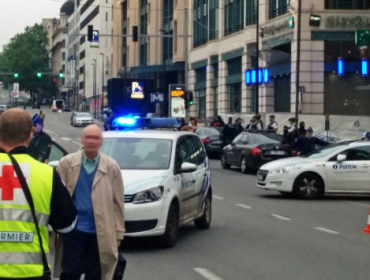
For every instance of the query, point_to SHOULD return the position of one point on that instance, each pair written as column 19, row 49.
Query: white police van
column 343, row 168
column 166, row 177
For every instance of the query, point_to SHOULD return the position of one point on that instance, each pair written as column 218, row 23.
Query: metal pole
column 257, row 55
column 186, row 60
column 164, row 66
column 102, row 84
column 298, row 62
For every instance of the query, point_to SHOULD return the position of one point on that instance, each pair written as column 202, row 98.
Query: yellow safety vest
column 20, row 253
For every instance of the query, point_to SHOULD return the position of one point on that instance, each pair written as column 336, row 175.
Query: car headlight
column 285, row 169
column 148, row 196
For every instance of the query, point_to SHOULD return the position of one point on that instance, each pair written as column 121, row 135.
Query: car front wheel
column 308, row 186
column 244, row 165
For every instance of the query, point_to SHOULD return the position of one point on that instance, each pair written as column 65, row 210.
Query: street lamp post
column 257, row 55
column 94, row 87
column 298, row 62
column 164, row 63
column 102, row 84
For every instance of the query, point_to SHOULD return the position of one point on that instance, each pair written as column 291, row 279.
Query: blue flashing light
column 137, row 117
column 126, row 121
column 364, row 67
column 248, row 77
column 254, row 76
column 266, row 76
column 260, row 75
column 340, row 66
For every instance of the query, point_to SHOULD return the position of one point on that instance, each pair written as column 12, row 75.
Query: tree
column 27, row 53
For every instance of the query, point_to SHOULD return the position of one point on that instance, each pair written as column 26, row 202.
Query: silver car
column 82, row 119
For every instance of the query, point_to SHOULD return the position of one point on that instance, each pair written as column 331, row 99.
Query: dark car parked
column 251, row 150
column 211, row 138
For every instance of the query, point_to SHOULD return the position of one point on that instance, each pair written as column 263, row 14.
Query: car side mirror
column 54, row 163
column 187, row 167
column 341, row 157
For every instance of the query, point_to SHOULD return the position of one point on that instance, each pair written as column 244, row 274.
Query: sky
column 15, row 15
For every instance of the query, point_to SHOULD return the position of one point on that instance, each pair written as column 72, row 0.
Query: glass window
column 235, row 97
column 278, row 7
column 200, row 150
column 139, row 153
column 237, row 138
column 324, row 152
column 56, row 153
column 347, row 4
column 207, row 131
column 200, row 22
column 213, row 19
column 263, row 139
column 201, row 94
column 251, row 12
column 357, row 154
column 233, row 16
column 186, row 151
column 215, row 101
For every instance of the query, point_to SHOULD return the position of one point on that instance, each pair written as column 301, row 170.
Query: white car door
column 188, row 181
column 352, row 174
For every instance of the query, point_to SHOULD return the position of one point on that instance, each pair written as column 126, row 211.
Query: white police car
column 166, row 179
column 343, row 168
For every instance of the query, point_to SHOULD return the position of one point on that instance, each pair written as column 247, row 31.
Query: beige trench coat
column 108, row 203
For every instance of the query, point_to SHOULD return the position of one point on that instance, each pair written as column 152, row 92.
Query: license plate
column 277, row 152
column 259, row 177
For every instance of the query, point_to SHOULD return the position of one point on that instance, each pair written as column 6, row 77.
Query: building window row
column 251, row 12
column 278, row 8
column 85, row 6
column 234, row 16
column 347, row 4
column 89, row 18
column 200, row 22
column 143, row 31
column 168, row 30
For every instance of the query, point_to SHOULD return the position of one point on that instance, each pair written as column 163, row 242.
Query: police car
column 166, row 177
column 342, row 168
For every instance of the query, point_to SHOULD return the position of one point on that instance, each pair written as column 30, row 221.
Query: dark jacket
column 238, row 129
column 305, row 145
column 228, row 133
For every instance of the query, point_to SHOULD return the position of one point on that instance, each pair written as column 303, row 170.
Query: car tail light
column 294, row 153
column 55, row 107
column 206, row 140
column 256, row 151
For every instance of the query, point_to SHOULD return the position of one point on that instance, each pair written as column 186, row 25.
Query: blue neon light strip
column 340, row 66
column 254, row 76
column 364, row 68
column 266, row 76
column 248, row 77
column 260, row 76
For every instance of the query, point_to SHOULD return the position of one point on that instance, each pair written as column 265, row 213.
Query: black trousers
column 80, row 256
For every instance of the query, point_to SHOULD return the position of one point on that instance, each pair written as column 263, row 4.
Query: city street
column 255, row 234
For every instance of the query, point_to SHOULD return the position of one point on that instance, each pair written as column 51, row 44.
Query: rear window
column 266, row 138
column 207, row 131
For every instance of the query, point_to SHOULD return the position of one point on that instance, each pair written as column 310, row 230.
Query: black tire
column 224, row 163
column 308, row 186
column 169, row 238
column 204, row 222
column 244, row 165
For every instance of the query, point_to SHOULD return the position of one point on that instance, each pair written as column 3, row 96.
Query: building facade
column 223, row 47
column 162, row 59
column 90, row 65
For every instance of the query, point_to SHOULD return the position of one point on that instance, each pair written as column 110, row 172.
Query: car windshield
column 207, row 131
column 84, row 115
column 325, row 151
column 265, row 139
column 139, row 153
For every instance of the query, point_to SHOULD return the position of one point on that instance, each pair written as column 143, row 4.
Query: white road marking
column 326, row 230
column 65, row 138
column 364, row 205
column 217, row 197
column 50, row 132
column 207, row 274
column 243, row 206
column 281, row 217
column 74, row 142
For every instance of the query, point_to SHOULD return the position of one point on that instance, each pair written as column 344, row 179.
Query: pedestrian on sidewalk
column 96, row 186
column 42, row 117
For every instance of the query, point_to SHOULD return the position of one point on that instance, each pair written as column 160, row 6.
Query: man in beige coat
column 96, row 186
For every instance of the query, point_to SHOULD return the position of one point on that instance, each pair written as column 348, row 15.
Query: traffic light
column 61, row 74
column 90, row 31
column 16, row 75
column 190, row 98
column 39, row 74
column 135, row 34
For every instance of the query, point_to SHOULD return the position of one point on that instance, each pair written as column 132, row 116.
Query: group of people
column 73, row 200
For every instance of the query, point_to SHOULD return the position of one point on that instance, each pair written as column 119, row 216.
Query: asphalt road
column 255, row 234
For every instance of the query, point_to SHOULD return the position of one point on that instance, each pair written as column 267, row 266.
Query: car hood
column 286, row 162
column 140, row 180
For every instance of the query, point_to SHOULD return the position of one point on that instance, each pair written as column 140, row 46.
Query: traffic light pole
column 186, row 61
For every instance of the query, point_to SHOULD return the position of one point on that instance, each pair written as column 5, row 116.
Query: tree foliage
column 27, row 54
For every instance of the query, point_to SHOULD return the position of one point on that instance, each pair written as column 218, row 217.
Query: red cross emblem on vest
column 8, row 182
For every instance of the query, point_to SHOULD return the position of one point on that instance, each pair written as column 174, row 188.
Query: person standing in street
column 96, row 186
column 238, row 126
column 228, row 132
column 37, row 127
column 292, row 130
column 301, row 129
column 20, row 250
column 253, row 125
column 42, row 117
column 307, row 143
column 273, row 125
column 258, row 119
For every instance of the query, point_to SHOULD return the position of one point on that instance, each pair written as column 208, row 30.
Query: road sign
column 95, row 42
column 362, row 37
column 156, row 97
column 15, row 90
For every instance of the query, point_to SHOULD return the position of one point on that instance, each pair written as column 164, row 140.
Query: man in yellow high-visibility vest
column 20, row 251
